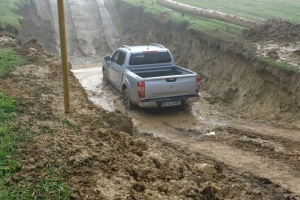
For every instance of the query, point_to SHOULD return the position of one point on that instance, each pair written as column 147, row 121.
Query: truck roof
column 152, row 47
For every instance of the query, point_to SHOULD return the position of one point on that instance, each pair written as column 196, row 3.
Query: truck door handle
column 171, row 79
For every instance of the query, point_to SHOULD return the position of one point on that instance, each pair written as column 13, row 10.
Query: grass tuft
column 281, row 65
column 7, row 107
column 50, row 186
column 8, row 60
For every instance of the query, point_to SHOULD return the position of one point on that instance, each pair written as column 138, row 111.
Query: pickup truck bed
column 157, row 72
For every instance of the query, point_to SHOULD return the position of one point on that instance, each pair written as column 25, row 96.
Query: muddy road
column 265, row 150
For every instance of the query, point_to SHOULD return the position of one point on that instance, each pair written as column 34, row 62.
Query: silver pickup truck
column 146, row 76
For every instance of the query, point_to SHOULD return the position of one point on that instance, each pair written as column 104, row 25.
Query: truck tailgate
column 167, row 86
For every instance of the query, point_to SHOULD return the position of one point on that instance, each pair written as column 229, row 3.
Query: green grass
column 255, row 9
column 8, row 15
column 8, row 164
column 7, row 107
column 50, row 186
column 8, row 60
column 281, row 65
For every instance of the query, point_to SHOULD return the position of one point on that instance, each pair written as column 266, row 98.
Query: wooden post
column 64, row 53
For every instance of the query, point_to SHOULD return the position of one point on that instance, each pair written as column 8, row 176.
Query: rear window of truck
column 149, row 58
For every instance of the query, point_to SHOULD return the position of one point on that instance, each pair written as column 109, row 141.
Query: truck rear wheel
column 126, row 99
column 105, row 79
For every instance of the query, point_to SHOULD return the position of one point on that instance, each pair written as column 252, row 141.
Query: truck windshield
column 149, row 58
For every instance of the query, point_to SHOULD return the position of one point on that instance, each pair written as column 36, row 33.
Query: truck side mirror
column 107, row 58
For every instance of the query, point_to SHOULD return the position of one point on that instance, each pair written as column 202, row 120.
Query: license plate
column 171, row 103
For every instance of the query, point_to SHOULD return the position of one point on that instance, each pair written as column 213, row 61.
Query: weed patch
column 280, row 65
column 8, row 61
column 50, row 186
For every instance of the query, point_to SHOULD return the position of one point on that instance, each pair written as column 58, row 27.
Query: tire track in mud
column 90, row 77
column 90, row 30
column 277, row 172
column 86, row 28
column 276, row 158
column 110, row 33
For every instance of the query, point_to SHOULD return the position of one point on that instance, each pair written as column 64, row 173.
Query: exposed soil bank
column 39, row 26
column 246, row 88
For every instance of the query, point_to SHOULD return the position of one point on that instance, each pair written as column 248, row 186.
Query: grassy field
column 253, row 9
column 8, row 15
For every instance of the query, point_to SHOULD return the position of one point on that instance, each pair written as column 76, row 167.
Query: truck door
column 111, row 70
column 117, row 69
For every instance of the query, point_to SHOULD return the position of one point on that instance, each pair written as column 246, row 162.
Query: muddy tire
column 105, row 79
column 127, row 102
column 183, row 107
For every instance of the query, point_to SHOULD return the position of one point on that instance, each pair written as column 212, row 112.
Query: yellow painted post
column 64, row 53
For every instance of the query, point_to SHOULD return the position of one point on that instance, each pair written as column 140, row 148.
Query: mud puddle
column 155, row 121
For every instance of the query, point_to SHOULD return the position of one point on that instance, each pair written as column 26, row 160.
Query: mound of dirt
column 278, row 40
column 276, row 30
column 97, row 159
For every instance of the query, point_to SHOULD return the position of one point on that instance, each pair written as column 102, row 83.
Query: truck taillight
column 197, row 84
column 141, row 89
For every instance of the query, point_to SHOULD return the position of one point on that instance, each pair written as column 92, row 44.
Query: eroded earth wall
column 38, row 22
column 246, row 88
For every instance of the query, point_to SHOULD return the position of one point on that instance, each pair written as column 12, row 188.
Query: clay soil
column 214, row 149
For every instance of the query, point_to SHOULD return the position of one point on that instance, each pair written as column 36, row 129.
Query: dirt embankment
column 245, row 87
column 36, row 26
